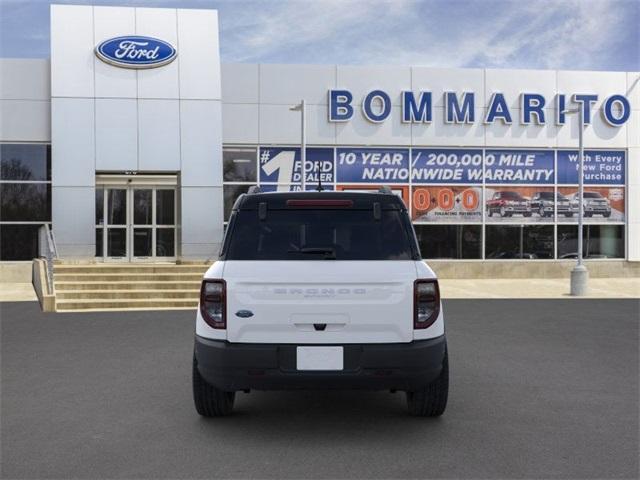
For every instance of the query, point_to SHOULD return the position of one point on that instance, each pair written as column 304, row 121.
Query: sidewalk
column 17, row 292
column 537, row 288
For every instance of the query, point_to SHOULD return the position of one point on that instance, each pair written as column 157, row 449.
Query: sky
column 534, row 34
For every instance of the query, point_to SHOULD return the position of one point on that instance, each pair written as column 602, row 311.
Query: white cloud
column 253, row 30
column 555, row 34
column 534, row 34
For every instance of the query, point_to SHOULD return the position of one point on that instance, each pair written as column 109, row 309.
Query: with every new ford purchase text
column 320, row 290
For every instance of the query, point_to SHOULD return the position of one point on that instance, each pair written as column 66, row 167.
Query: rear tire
column 432, row 401
column 210, row 401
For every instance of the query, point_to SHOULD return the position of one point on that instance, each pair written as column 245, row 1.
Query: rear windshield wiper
column 328, row 252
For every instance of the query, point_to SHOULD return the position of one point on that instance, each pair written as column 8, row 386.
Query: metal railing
column 48, row 250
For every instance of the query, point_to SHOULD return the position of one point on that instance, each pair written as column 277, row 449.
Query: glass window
column 117, row 207
column 529, row 242
column 165, row 242
column 25, row 162
column 231, row 194
column 598, row 241
column 99, row 242
column 99, row 206
column 450, row 241
column 117, row 242
column 142, row 206
column 165, row 207
column 25, row 202
column 18, row 242
column 239, row 164
column 142, row 242
column 345, row 234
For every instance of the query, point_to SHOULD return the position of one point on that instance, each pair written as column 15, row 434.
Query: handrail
column 48, row 249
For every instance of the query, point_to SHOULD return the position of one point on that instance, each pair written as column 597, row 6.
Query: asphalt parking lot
column 539, row 389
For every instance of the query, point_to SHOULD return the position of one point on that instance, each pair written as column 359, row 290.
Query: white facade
column 108, row 119
column 101, row 119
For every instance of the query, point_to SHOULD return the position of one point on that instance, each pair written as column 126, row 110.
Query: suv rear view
column 319, row 291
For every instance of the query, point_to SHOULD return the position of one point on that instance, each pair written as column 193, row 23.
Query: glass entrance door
column 136, row 223
column 115, row 230
column 142, row 223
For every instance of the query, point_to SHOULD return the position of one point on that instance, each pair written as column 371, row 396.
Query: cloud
column 545, row 34
column 254, row 30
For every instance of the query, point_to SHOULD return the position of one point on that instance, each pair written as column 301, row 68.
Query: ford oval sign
column 134, row 51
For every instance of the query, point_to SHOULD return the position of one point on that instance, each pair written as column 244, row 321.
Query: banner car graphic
column 600, row 204
column 447, row 204
column 372, row 165
column 523, row 204
column 519, row 166
column 283, row 165
column 433, row 165
column 600, row 167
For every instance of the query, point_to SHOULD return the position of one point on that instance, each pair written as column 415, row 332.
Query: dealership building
column 132, row 142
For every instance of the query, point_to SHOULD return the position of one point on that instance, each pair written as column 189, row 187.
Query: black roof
column 278, row 200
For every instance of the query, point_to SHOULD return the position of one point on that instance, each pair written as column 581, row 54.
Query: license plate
column 320, row 358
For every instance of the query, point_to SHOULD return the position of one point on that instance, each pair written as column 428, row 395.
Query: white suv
column 320, row 290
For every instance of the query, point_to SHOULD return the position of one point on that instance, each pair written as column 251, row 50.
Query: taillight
column 426, row 303
column 213, row 303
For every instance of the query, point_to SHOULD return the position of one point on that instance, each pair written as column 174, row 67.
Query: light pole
column 580, row 274
column 303, row 139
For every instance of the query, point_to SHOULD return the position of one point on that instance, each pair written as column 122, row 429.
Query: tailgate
column 320, row 301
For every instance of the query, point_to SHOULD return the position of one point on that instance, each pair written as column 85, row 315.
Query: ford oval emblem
column 244, row 313
column 134, row 51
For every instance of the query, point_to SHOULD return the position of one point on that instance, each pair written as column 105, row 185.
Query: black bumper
column 385, row 366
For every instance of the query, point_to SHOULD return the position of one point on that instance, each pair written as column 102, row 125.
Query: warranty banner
column 447, row 204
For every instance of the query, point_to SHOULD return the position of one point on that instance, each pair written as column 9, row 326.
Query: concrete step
column 127, row 294
column 62, row 286
column 128, row 268
column 123, row 309
column 96, row 287
column 122, row 277
column 124, row 304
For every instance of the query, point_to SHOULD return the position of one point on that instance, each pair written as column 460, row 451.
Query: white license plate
column 320, row 358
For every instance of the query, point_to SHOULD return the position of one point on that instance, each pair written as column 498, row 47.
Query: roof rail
column 254, row 189
column 385, row 189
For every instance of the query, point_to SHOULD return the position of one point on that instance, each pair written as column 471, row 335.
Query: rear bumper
column 386, row 366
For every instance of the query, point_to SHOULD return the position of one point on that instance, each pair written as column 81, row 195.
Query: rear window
column 340, row 234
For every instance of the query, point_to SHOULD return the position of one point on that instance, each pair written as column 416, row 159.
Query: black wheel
column 209, row 401
column 527, row 214
column 432, row 401
column 489, row 212
column 568, row 215
column 606, row 214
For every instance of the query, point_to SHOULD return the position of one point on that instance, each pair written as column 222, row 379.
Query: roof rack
column 385, row 189
column 254, row 189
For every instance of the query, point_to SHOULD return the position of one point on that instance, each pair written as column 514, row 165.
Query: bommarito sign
column 460, row 108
